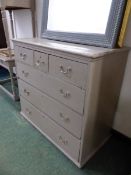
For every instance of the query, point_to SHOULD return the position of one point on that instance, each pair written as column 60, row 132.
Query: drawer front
column 67, row 94
column 65, row 117
column 24, row 55
column 61, row 137
column 41, row 61
column 68, row 70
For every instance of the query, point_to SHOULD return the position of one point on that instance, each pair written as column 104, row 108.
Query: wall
column 123, row 115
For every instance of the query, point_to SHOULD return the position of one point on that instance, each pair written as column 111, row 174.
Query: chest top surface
column 77, row 49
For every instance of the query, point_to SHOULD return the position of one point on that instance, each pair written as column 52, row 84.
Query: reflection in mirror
column 81, row 16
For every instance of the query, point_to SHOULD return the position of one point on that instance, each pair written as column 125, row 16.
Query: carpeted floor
column 24, row 151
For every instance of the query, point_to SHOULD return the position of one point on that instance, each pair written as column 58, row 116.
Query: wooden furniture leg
column 13, row 83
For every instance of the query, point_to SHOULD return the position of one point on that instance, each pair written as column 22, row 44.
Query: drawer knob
column 38, row 63
column 65, row 94
column 28, row 111
column 23, row 56
column 63, row 141
column 66, row 119
column 25, row 73
column 66, row 72
column 26, row 92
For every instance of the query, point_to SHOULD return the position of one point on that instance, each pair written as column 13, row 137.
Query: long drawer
column 69, row 95
column 64, row 116
column 57, row 134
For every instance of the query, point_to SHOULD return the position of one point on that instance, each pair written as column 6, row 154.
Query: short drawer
column 60, row 137
column 24, row 55
column 65, row 93
column 64, row 116
column 68, row 70
column 41, row 61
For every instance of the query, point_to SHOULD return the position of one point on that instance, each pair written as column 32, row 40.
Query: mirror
column 63, row 17
column 93, row 22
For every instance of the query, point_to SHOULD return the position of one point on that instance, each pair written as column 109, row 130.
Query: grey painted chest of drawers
column 69, row 92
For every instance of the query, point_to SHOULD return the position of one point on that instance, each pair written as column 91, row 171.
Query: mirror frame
column 104, row 40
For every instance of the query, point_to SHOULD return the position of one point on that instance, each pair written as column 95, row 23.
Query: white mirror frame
column 104, row 40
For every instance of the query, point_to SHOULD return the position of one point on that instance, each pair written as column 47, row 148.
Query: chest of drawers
column 69, row 92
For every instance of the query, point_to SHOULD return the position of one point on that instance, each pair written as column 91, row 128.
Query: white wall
column 123, row 115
